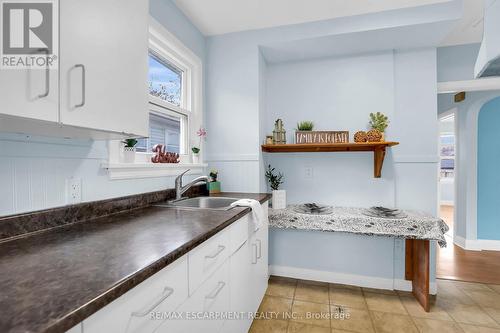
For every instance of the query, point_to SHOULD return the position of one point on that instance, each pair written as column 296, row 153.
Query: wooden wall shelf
column 378, row 149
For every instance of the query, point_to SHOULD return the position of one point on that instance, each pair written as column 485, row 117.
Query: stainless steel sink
column 218, row 203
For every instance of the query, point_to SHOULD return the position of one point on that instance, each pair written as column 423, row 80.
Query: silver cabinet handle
column 83, row 85
column 220, row 248
column 167, row 292
column 259, row 251
column 254, row 254
column 217, row 290
column 47, row 74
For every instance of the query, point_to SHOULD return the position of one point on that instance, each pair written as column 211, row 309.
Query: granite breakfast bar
column 416, row 228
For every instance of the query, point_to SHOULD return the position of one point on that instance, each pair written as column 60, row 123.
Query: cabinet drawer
column 206, row 258
column 211, row 298
column 238, row 233
column 132, row 312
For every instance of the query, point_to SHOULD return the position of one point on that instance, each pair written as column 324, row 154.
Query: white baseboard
column 477, row 244
column 489, row 244
column 350, row 279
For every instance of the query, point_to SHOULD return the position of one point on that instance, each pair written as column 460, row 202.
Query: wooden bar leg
column 417, row 270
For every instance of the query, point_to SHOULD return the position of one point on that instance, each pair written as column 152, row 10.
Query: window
column 165, row 80
column 168, row 119
column 175, row 110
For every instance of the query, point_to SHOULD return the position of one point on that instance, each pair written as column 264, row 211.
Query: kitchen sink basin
column 219, row 203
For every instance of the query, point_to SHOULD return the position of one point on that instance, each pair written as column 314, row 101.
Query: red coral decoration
column 163, row 157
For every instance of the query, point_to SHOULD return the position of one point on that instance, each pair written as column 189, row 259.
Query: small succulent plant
column 305, row 125
column 130, row 142
column 213, row 174
column 379, row 121
column 275, row 180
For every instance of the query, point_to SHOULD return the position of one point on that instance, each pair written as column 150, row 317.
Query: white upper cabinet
column 103, row 65
column 29, row 93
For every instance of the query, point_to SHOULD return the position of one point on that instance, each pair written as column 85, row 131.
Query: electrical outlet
column 308, row 172
column 74, row 190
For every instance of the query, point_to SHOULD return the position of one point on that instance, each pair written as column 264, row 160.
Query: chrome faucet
column 180, row 190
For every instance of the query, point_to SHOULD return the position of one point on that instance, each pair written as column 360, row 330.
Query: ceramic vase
column 279, row 199
column 129, row 154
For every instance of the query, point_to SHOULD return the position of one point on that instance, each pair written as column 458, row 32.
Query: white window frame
column 166, row 46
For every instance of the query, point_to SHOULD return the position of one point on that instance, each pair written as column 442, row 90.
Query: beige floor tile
column 478, row 329
column 385, row 303
column 354, row 320
column 352, row 298
column 282, row 287
column 469, row 314
column 485, row 298
column 392, row 323
column 493, row 313
column 276, row 307
column 312, row 292
column 402, row 293
column 380, row 291
column 448, row 291
column 343, row 286
column 415, row 310
column 316, row 283
column 495, row 287
column 431, row 326
column 294, row 327
column 311, row 313
column 334, row 330
column 269, row 326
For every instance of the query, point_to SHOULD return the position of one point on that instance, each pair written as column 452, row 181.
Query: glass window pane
column 165, row 130
column 165, row 80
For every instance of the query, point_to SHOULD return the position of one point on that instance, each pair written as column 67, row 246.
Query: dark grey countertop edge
column 121, row 287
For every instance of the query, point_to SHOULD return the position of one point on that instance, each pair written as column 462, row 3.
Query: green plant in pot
column 129, row 150
column 305, row 125
column 379, row 122
column 275, row 180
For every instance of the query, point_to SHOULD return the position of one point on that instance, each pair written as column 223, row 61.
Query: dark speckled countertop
column 53, row 280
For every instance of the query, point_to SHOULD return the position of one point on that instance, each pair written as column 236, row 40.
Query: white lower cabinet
column 132, row 312
column 203, row 310
column 211, row 289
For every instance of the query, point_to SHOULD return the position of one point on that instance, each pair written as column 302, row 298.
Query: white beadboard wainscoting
column 34, row 172
column 237, row 173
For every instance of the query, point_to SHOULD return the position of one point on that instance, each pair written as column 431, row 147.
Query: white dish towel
column 257, row 211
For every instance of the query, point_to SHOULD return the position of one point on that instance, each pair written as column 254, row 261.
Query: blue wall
column 488, row 175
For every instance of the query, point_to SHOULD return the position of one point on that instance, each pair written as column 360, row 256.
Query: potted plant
column 275, row 180
column 213, row 175
column 379, row 122
column 129, row 150
column 201, row 133
column 303, row 126
column 213, row 185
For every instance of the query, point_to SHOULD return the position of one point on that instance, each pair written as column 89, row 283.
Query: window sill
column 148, row 170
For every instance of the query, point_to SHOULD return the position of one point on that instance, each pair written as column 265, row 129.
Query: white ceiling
column 214, row 17
column 470, row 28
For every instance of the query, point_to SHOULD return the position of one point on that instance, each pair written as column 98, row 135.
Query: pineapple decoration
column 374, row 135
column 378, row 123
column 360, row 136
